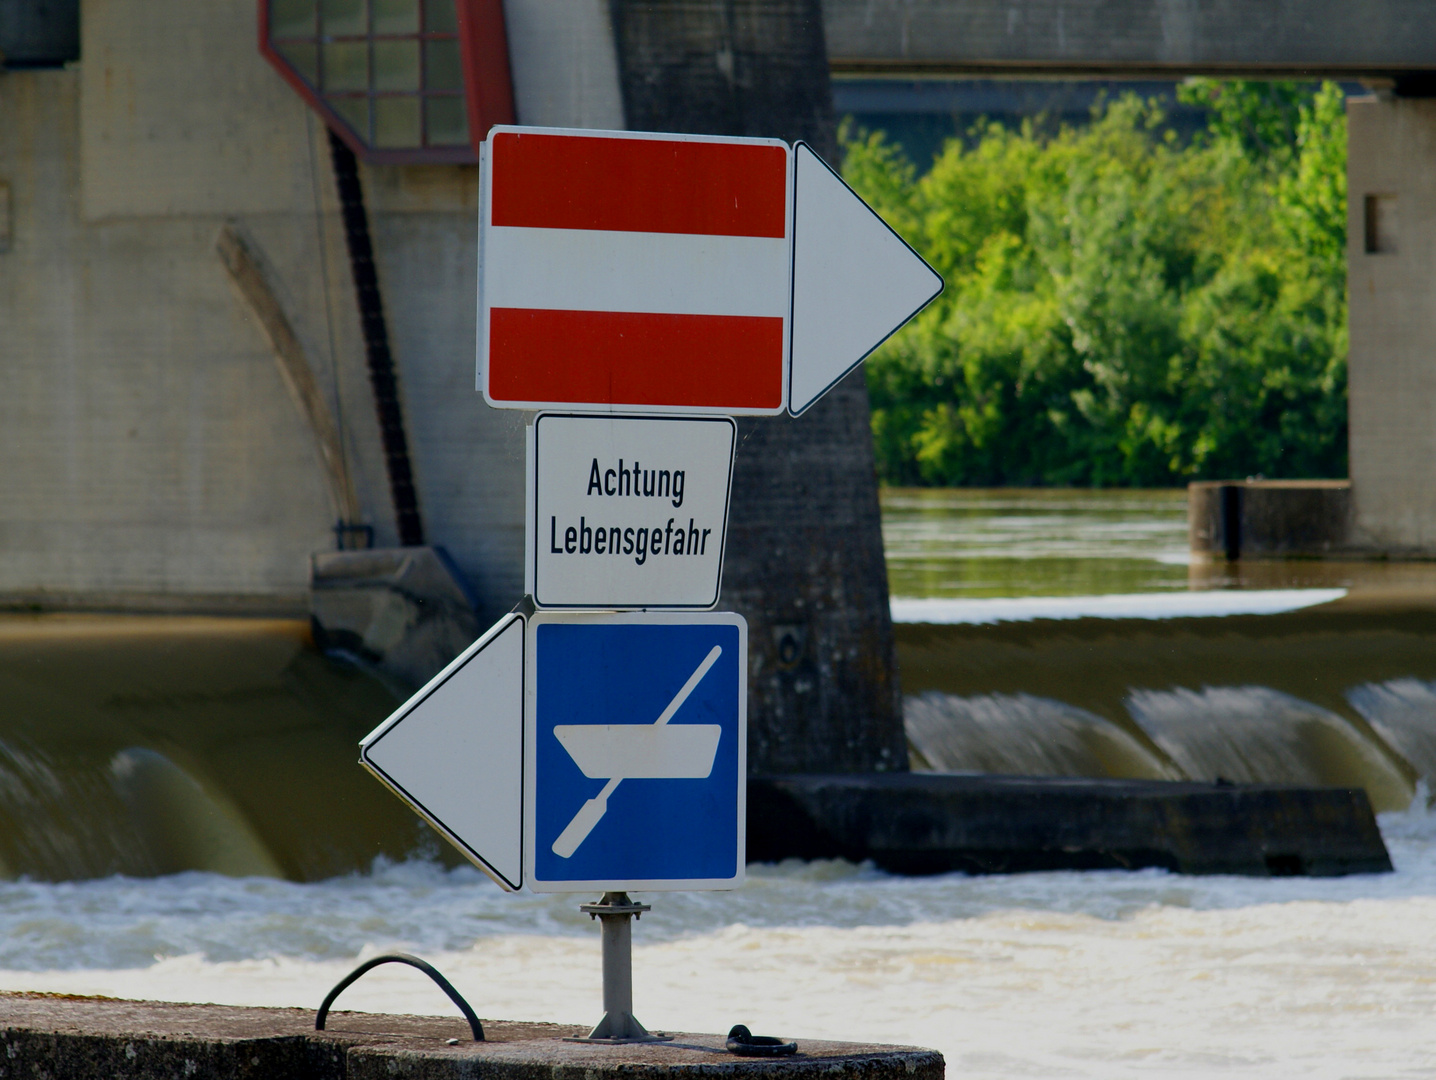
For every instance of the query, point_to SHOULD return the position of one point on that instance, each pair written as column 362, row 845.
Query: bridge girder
column 1373, row 39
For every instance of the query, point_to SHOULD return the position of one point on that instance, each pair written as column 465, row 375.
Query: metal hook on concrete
column 744, row 1043
column 413, row 961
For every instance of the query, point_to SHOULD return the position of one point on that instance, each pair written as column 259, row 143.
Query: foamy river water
column 1104, row 974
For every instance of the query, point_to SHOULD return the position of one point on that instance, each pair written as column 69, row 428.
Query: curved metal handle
column 413, row 961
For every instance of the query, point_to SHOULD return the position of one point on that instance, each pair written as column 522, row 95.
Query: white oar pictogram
column 637, row 751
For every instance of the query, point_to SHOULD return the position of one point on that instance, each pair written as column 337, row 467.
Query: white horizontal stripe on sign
column 1173, row 605
column 663, row 273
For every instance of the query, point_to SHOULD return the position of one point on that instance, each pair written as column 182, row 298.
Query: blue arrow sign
column 636, row 751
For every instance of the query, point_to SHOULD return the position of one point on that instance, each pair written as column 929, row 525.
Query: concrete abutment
column 82, row 1038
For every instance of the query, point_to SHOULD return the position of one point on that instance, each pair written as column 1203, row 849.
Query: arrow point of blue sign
column 454, row 752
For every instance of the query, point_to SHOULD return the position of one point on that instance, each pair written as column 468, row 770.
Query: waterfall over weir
column 149, row 745
column 1343, row 693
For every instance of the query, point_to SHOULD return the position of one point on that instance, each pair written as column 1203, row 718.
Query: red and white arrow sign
column 678, row 273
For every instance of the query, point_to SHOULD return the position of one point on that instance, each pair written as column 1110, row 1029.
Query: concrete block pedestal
column 104, row 1038
column 1236, row 519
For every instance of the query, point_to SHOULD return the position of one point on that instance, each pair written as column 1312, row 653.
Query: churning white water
column 1097, row 974
column 1067, row 974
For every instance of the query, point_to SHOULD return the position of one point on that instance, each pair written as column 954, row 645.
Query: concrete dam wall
column 153, row 455
column 186, row 410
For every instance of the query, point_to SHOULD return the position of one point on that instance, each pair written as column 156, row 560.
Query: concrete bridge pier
column 1391, row 277
column 804, row 563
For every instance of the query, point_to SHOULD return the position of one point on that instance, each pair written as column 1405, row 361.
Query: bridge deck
column 1376, row 38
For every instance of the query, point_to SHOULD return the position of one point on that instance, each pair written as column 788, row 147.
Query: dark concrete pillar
column 805, row 561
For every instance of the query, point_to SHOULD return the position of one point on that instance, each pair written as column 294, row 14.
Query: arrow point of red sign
column 855, row 280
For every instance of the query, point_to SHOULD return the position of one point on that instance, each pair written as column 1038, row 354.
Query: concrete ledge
column 56, row 1036
column 102, row 601
column 405, row 611
column 930, row 823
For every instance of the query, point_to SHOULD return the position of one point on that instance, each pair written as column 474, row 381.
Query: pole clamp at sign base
column 618, row 1025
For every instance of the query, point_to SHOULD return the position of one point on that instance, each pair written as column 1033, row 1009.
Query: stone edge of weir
column 81, row 1038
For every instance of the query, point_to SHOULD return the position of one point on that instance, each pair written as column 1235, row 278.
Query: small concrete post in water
column 618, row 1025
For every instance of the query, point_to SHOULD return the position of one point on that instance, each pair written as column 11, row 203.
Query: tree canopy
column 1122, row 308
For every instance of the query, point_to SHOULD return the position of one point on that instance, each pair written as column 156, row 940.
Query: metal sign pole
column 618, row 1025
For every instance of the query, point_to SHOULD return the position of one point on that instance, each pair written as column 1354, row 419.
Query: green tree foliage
column 1122, row 309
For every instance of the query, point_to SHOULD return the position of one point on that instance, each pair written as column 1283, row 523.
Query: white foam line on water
column 1172, row 605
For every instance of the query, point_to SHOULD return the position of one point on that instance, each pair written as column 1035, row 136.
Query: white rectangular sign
column 627, row 511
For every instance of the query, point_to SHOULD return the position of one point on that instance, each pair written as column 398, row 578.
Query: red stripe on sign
column 632, row 358
column 639, row 185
